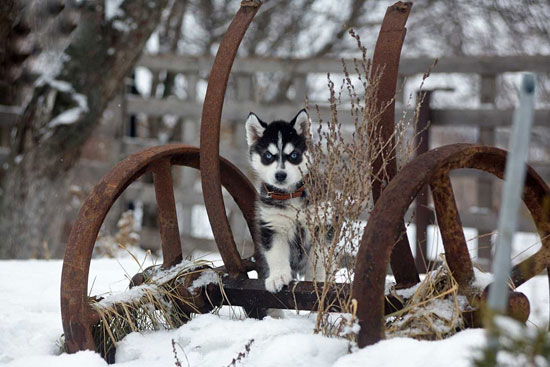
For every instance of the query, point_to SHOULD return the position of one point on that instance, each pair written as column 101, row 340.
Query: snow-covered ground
column 30, row 328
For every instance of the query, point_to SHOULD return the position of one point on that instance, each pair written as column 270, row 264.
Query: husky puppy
column 277, row 155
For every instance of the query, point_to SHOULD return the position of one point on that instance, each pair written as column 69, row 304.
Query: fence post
column 422, row 212
column 485, row 185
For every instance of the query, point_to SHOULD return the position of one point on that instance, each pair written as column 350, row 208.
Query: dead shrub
column 340, row 179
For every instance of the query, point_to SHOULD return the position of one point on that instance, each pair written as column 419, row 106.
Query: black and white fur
column 278, row 157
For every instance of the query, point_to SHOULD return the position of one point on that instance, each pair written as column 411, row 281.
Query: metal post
column 511, row 194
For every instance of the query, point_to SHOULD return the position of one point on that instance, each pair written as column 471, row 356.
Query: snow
column 407, row 292
column 209, row 340
column 66, row 118
column 71, row 115
column 124, row 26
column 48, row 64
column 482, row 280
column 456, row 351
column 131, row 294
column 144, row 79
column 206, row 277
column 30, row 327
column 112, row 9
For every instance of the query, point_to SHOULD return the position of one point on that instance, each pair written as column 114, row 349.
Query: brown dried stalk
column 339, row 183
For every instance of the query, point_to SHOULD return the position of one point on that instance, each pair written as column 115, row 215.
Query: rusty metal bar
column 385, row 66
column 167, row 216
column 422, row 212
column 299, row 295
column 210, row 136
column 382, row 229
column 452, row 234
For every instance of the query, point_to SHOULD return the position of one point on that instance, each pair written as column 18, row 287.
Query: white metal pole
column 511, row 195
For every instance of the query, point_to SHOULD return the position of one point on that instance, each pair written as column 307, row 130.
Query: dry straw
column 431, row 310
column 157, row 304
column 124, row 241
column 339, row 183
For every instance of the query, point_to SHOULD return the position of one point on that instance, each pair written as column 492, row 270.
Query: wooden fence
column 243, row 97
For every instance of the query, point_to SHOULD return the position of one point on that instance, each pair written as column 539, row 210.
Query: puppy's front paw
column 277, row 280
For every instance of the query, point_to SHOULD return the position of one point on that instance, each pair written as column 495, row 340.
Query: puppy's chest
column 283, row 220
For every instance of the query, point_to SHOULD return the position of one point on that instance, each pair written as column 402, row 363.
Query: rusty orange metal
column 383, row 228
column 167, row 217
column 210, row 137
column 385, row 65
column 452, row 234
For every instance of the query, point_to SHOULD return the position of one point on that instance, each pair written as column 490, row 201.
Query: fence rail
column 238, row 110
column 242, row 100
column 407, row 66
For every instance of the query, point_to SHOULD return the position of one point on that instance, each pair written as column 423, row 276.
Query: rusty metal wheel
column 77, row 315
column 383, row 228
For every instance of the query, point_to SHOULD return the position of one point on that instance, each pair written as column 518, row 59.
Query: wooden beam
column 408, row 66
column 238, row 110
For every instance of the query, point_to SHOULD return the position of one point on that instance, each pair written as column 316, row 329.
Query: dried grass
column 339, row 183
column 154, row 305
column 432, row 309
column 125, row 240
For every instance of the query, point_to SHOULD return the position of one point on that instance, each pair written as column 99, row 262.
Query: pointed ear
column 301, row 122
column 254, row 128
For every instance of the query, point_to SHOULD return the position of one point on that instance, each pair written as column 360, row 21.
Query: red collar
column 285, row 195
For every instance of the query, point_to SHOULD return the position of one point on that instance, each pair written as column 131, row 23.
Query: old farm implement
column 382, row 242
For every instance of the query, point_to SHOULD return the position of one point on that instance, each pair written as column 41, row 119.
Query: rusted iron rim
column 210, row 136
column 76, row 313
column 385, row 65
column 382, row 229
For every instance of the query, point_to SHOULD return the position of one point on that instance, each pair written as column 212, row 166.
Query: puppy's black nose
column 280, row 176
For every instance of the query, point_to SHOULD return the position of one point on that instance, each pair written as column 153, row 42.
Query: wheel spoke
column 402, row 261
column 448, row 219
column 530, row 267
column 167, row 217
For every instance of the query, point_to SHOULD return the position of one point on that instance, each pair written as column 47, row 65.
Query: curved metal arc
column 210, row 136
column 385, row 65
column 382, row 229
column 77, row 314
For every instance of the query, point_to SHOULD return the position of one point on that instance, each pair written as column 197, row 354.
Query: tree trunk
column 64, row 109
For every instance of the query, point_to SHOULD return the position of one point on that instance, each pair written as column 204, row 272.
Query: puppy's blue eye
column 294, row 155
column 268, row 155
